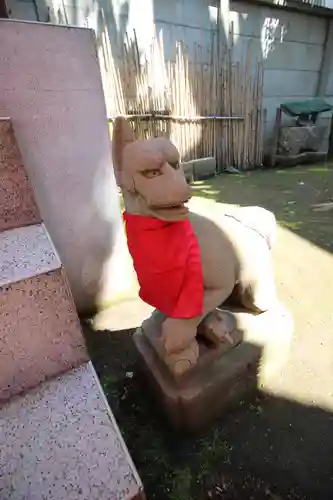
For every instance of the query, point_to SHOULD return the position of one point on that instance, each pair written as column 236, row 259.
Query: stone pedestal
column 198, row 399
column 222, row 378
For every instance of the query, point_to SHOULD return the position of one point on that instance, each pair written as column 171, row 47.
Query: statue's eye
column 149, row 174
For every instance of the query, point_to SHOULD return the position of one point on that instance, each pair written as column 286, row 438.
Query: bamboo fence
column 206, row 103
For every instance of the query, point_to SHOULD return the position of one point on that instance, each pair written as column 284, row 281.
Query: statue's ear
column 121, row 136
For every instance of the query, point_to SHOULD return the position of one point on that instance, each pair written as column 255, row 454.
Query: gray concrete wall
column 291, row 44
column 190, row 20
column 292, row 47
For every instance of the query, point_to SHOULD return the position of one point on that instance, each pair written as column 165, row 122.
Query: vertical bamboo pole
column 247, row 104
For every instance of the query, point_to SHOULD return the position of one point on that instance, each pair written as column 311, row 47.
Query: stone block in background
column 296, row 140
column 204, row 167
column 201, row 168
column 188, row 170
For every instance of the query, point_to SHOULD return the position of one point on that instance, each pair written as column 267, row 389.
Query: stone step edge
column 22, row 251
column 83, row 373
column 114, row 423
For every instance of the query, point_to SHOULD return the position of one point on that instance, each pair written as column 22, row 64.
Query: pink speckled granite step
column 61, row 442
column 40, row 334
column 17, row 203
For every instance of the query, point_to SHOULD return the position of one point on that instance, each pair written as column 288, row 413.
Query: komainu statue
column 188, row 265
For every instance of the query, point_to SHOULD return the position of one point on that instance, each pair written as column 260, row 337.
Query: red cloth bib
column 167, row 261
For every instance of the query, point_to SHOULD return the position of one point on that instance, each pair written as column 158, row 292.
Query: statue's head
column 149, row 175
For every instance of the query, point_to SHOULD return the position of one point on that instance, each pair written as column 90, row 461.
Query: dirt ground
column 281, row 446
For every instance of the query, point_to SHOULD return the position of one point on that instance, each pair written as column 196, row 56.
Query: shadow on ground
column 273, row 449
column 290, row 193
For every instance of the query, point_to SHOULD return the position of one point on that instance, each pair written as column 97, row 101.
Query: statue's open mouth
column 177, row 209
column 174, row 211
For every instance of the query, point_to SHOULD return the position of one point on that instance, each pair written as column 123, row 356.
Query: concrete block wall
column 189, row 20
column 192, row 22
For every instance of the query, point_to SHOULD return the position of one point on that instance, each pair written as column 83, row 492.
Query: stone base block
column 204, row 168
column 200, row 398
column 187, row 167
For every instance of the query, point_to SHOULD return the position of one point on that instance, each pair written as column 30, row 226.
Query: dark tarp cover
column 308, row 107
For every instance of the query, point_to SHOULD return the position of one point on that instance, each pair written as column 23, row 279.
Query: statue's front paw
column 177, row 334
column 183, row 361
